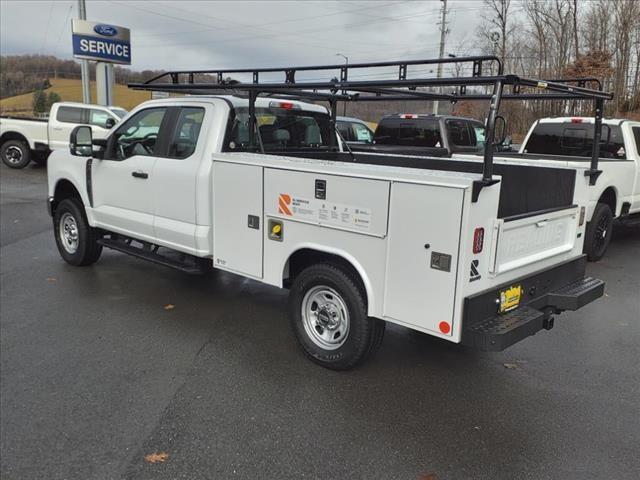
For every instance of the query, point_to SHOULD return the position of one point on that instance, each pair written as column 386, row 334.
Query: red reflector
column 478, row 240
column 576, row 120
column 444, row 327
column 286, row 105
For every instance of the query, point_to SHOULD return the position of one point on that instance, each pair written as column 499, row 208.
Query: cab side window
column 636, row 136
column 139, row 135
column 186, row 133
column 98, row 118
column 70, row 115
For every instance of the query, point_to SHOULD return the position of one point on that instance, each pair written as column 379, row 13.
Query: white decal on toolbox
column 323, row 212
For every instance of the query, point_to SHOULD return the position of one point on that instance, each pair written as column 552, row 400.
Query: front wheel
column 77, row 241
column 328, row 313
column 15, row 154
column 598, row 232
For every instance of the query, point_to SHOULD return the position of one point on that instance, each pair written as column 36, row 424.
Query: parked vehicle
column 258, row 187
column 616, row 194
column 426, row 134
column 26, row 139
column 354, row 131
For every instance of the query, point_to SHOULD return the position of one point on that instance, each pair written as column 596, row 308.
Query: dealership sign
column 101, row 42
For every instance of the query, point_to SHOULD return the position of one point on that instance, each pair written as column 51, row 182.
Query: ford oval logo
column 106, row 30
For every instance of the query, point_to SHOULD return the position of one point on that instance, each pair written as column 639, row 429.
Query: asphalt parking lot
column 96, row 374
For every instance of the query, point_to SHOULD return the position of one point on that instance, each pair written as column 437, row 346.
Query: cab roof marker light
column 284, row 105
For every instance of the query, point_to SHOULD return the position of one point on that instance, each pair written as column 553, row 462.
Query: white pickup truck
column 567, row 141
column 26, row 139
column 357, row 240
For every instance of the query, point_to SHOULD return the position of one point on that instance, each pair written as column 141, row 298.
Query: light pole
column 344, row 105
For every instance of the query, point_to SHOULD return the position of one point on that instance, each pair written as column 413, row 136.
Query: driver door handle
column 140, row 174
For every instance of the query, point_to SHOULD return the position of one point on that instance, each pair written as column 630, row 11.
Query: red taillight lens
column 478, row 240
column 576, row 120
column 408, row 115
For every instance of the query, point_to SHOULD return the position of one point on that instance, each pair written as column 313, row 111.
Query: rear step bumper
column 545, row 293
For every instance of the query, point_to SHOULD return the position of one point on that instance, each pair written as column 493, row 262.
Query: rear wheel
column 329, row 317
column 77, row 241
column 15, row 154
column 598, row 232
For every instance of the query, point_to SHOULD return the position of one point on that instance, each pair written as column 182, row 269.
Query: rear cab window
column 575, row 140
column 186, row 132
column 280, row 129
column 420, row 132
column 71, row 115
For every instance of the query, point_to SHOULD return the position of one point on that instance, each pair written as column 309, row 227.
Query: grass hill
column 70, row 90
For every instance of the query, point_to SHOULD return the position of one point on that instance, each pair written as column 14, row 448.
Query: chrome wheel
column 325, row 317
column 68, row 231
column 13, row 155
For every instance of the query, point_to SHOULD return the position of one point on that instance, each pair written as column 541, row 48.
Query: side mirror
column 499, row 130
column 81, row 142
column 109, row 123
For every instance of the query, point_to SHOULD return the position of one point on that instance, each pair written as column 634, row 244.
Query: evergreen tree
column 39, row 101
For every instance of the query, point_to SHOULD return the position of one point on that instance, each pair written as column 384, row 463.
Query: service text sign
column 101, row 42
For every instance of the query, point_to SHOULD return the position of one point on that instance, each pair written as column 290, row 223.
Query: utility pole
column 84, row 64
column 443, row 35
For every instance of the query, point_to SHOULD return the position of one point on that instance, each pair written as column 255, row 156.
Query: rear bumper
column 563, row 287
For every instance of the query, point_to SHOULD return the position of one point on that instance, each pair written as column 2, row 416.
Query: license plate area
column 510, row 298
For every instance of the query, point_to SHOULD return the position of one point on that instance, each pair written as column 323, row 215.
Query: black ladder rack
column 486, row 71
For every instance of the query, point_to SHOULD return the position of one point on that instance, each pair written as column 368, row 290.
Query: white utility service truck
column 25, row 139
column 258, row 185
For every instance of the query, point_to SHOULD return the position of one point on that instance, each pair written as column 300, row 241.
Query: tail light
column 408, row 115
column 478, row 239
column 576, row 120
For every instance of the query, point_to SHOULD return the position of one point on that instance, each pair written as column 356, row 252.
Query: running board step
column 499, row 332
column 149, row 252
column 576, row 294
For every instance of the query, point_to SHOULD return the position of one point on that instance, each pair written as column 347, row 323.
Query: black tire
column 15, row 154
column 598, row 232
column 87, row 250
column 363, row 335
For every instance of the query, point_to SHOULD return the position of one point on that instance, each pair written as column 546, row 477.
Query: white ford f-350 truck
column 616, row 195
column 257, row 186
column 25, row 139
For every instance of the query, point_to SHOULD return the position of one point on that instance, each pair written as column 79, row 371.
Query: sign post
column 107, row 44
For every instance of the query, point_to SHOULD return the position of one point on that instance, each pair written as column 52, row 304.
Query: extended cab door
column 121, row 182
column 174, row 178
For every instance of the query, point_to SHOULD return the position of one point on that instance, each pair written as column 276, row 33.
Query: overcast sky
column 221, row 34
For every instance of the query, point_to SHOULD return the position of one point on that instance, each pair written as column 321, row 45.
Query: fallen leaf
column 156, row 457
column 169, row 306
column 428, row 476
column 510, row 365
column 51, row 279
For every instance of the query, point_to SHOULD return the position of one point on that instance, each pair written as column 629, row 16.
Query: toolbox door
column 422, row 255
column 237, row 218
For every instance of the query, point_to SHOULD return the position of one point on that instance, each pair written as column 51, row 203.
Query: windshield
column 119, row 112
column 280, row 130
